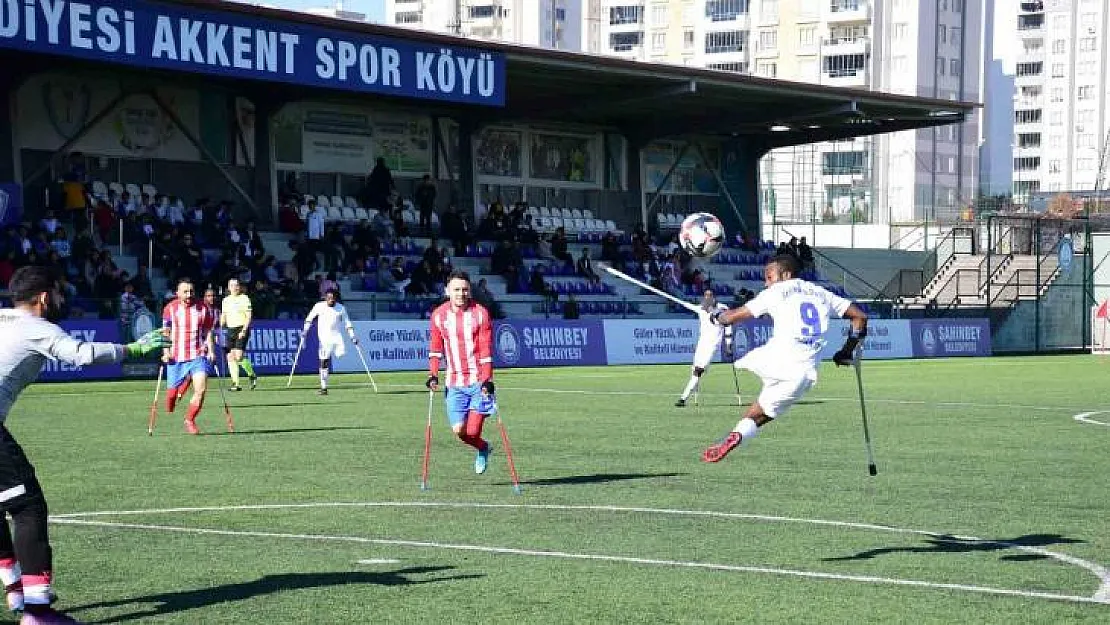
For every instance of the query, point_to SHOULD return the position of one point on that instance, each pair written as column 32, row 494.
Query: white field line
column 378, row 561
column 1101, row 595
column 1085, row 417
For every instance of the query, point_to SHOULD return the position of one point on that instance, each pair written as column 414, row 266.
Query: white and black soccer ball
column 701, row 235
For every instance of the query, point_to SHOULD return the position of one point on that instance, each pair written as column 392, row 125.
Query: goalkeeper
column 27, row 340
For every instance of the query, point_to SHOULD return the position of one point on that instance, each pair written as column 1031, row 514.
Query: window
column 1088, row 44
column 1086, row 116
column 1030, row 22
column 1085, row 140
column 626, row 15
column 1056, row 118
column 408, row 17
column 1032, row 45
column 943, row 5
column 1031, row 91
column 725, row 10
column 844, row 65
column 1056, row 95
column 1057, row 70
column 1029, row 140
column 1059, row 23
column 900, row 63
column 1084, row 164
column 842, row 163
column 1054, row 166
column 769, row 10
column 1086, row 68
column 768, row 39
column 688, row 14
column 1089, row 20
column 688, row 39
column 1027, row 163
column 1085, row 92
column 739, row 68
column 942, row 33
column 807, row 36
column 957, row 6
column 623, row 42
column 1056, row 141
column 954, row 67
column 658, row 42
column 658, row 14
column 940, row 65
column 726, row 41
column 954, row 36
column 1027, row 116
column 899, row 31
column 767, row 69
column 1059, row 46
column 482, row 11
column 560, row 14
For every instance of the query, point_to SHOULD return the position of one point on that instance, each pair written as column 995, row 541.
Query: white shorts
column 779, row 391
column 703, row 355
column 332, row 348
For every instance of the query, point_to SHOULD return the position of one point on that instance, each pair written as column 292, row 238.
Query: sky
column 374, row 9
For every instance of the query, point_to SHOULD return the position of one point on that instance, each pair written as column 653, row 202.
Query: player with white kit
column 787, row 363
column 710, row 335
column 331, row 317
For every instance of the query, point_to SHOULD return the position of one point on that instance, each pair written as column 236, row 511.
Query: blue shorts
column 462, row 399
column 178, row 372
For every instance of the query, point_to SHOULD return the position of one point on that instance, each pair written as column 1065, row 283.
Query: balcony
column 847, row 11
column 1032, row 6
column 845, row 45
column 858, row 78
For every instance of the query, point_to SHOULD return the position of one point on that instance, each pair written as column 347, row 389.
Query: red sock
column 194, row 409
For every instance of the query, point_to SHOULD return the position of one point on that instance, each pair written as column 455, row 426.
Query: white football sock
column 747, row 429
column 323, row 378
column 690, row 386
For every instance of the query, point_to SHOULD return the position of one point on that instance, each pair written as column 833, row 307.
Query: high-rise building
column 1061, row 103
column 544, row 23
column 925, row 48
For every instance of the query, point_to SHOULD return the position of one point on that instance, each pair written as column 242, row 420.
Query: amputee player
column 235, row 318
column 27, row 341
column 787, row 363
column 709, row 339
column 190, row 324
column 462, row 333
column 330, row 315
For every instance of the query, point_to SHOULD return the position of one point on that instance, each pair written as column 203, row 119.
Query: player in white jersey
column 787, row 363
column 331, row 317
column 27, row 341
column 709, row 339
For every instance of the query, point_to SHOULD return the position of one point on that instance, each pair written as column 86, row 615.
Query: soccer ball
column 702, row 235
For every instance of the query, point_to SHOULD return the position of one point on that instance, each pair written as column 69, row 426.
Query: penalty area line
column 1085, row 417
column 866, row 579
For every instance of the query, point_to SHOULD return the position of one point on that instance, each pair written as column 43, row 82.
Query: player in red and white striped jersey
column 190, row 325
column 462, row 335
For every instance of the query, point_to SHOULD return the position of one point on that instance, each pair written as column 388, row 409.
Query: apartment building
column 544, row 23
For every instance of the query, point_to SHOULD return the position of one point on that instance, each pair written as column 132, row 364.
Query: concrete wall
column 872, row 268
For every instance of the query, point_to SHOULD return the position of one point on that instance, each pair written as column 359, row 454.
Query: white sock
column 690, row 386
column 747, row 429
column 323, row 378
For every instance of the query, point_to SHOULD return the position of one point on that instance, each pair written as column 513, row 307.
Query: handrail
column 876, row 292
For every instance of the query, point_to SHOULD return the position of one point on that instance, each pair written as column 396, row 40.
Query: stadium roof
column 649, row 100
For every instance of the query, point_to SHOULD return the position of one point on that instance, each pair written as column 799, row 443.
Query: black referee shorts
column 233, row 340
column 18, row 483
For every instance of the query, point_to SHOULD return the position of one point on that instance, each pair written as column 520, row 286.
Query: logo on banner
column 67, row 102
column 1065, row 255
column 142, row 324
column 142, row 125
column 740, row 342
column 508, row 344
column 928, row 340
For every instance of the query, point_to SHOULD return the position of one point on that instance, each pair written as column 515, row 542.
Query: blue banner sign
column 173, row 37
column 92, row 331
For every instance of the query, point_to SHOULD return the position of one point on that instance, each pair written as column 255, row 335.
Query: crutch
column 223, row 396
column 366, row 366
column 154, row 404
column 296, row 358
column 508, row 451
column 427, row 442
column 871, row 469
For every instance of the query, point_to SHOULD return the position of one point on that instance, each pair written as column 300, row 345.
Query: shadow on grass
column 597, row 478
column 336, row 428
column 299, row 404
column 173, row 602
column 952, row 544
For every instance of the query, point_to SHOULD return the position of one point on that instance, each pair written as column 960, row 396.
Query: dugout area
column 734, row 118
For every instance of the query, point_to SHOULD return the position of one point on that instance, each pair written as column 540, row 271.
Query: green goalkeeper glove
column 148, row 344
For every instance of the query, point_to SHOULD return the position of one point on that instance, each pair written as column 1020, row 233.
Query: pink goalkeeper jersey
column 189, row 328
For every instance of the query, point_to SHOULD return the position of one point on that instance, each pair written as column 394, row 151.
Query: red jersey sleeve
column 435, row 349
column 167, row 315
column 485, row 345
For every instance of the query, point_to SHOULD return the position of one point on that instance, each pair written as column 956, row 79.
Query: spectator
column 190, row 260
column 570, row 307
column 288, row 219
column 543, row 249
column 484, row 296
column 559, row 245
column 585, row 265
column 7, row 268
column 263, row 301
column 386, row 281
column 538, row 286
column 400, row 276
column 128, row 304
column 610, row 248
column 425, row 200
column 328, row 284
column 379, row 185
column 314, row 235
column 49, row 223
column 142, row 284
column 423, row 280
column 805, row 254
column 104, row 219
column 382, row 225
column 304, row 259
